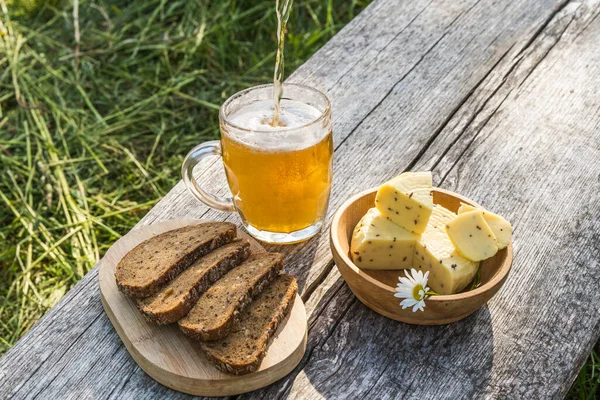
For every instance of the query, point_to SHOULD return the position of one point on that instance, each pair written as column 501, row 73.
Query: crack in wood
column 542, row 27
column 541, row 59
column 519, row 58
column 453, row 113
column 381, row 375
column 391, row 90
column 517, row 61
column 318, row 280
column 40, row 364
column 586, row 26
column 314, row 318
column 483, row 125
column 306, row 359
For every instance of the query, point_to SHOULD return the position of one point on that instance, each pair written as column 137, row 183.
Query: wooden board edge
column 193, row 387
column 185, row 384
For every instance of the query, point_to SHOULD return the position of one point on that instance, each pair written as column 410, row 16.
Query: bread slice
column 161, row 258
column 244, row 349
column 177, row 297
column 213, row 315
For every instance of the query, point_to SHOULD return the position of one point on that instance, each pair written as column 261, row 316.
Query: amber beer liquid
column 279, row 175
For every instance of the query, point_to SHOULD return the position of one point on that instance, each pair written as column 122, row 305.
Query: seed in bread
column 161, row 258
column 244, row 349
column 213, row 316
column 177, row 297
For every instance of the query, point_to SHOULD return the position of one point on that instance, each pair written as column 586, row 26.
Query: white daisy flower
column 413, row 289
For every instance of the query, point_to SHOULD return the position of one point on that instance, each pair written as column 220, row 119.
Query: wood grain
column 526, row 163
column 174, row 360
column 499, row 99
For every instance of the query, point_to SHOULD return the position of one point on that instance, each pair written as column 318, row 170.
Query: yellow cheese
column 378, row 243
column 466, row 208
column 472, row 236
column 449, row 271
column 407, row 200
column 502, row 228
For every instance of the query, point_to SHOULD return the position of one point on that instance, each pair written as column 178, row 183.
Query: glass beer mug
column 279, row 176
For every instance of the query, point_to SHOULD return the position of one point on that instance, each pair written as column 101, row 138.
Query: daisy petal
column 403, row 295
column 418, row 275
column 426, row 277
column 407, row 303
column 405, row 281
column 419, row 306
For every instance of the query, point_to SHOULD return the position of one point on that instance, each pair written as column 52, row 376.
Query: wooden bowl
column 376, row 288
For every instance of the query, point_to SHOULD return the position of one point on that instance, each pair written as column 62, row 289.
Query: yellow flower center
column 418, row 288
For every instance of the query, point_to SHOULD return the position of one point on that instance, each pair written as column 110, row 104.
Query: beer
column 282, row 10
column 277, row 150
column 279, row 175
column 279, row 172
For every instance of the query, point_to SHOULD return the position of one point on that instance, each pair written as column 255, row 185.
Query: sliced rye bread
column 244, row 349
column 161, row 258
column 177, row 297
column 213, row 316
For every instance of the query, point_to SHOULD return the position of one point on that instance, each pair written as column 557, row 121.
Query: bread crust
column 198, row 332
column 244, row 311
column 262, row 343
column 127, row 267
column 151, row 307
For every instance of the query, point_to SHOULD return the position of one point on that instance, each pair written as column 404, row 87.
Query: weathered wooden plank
column 535, row 160
column 421, row 28
column 77, row 355
column 402, row 93
column 434, row 72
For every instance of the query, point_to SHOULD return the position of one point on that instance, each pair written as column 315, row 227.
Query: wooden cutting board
column 176, row 361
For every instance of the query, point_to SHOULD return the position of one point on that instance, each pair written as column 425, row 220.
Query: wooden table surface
column 501, row 100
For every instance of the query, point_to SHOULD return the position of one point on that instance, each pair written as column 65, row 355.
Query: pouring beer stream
column 282, row 10
column 277, row 153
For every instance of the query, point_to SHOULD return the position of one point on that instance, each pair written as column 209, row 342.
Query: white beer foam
column 261, row 134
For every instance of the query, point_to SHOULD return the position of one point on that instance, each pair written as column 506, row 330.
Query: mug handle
column 206, row 149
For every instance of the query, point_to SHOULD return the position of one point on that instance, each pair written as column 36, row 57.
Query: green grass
column 93, row 131
column 587, row 384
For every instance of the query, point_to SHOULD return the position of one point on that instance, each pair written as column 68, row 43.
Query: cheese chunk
column 472, row 236
column 502, row 228
column 466, row 208
column 378, row 243
column 449, row 272
column 407, row 200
